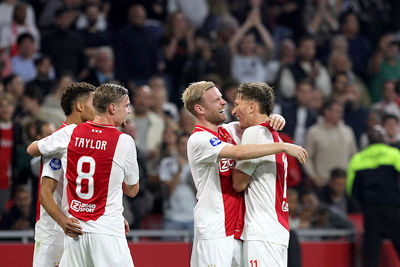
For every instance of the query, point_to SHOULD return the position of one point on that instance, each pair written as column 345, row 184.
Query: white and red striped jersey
column 96, row 159
column 267, row 208
column 218, row 204
column 47, row 230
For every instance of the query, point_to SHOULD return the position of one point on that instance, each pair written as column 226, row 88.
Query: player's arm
column 70, row 226
column 52, row 144
column 251, row 151
column 240, row 180
column 33, row 149
column 130, row 190
column 130, row 185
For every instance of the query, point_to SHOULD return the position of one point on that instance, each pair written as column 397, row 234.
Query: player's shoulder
column 256, row 129
column 126, row 139
column 203, row 138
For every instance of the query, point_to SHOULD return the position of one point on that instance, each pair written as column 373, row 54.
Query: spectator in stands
column 195, row 10
column 286, row 56
column 390, row 123
column 373, row 179
column 53, row 99
column 160, row 104
column 31, row 106
column 330, row 144
column 136, row 48
column 359, row 48
column 10, row 139
column 23, row 63
column 18, row 25
column 150, row 126
column 103, row 71
column 21, row 216
column 136, row 208
column 64, row 46
column 93, row 29
column 7, row 9
column 186, row 121
column 294, row 208
column 177, row 45
column 306, row 66
column 179, row 193
column 317, row 101
column 228, row 92
column 334, row 194
column 374, row 118
column 45, row 74
column 384, row 65
column 221, row 60
column 199, row 63
column 169, row 145
column 299, row 117
column 249, row 58
column 92, row 17
column 5, row 64
column 355, row 115
column 321, row 19
column 339, row 62
column 49, row 12
column 14, row 85
column 388, row 103
column 315, row 215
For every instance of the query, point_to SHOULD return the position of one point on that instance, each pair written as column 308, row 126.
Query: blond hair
column 193, row 94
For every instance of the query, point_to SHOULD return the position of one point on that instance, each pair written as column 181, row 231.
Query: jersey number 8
column 85, row 175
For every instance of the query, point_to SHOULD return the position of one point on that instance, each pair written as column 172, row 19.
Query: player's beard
column 216, row 118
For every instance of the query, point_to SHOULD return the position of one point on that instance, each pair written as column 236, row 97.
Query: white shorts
column 46, row 255
column 262, row 253
column 96, row 250
column 215, row 252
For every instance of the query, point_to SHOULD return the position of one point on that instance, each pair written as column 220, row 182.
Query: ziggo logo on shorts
column 78, row 206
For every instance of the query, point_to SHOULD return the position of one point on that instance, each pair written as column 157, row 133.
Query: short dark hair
column 329, row 103
column 34, row 92
column 24, row 36
column 39, row 61
column 337, row 173
column 388, row 116
column 106, row 94
column 74, row 92
column 259, row 92
column 377, row 135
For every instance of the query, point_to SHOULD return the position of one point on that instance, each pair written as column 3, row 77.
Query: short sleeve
column 52, row 167
column 130, row 165
column 57, row 142
column 253, row 135
column 205, row 147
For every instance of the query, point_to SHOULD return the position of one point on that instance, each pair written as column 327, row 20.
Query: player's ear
column 252, row 107
column 111, row 108
column 79, row 106
column 199, row 109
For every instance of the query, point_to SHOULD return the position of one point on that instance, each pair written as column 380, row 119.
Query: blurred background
column 334, row 66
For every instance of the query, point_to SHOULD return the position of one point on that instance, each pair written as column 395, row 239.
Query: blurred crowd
column 334, row 66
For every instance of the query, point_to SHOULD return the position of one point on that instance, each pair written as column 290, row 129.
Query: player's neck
column 73, row 118
column 258, row 118
column 209, row 125
column 103, row 119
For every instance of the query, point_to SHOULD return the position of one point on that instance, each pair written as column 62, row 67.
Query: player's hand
column 276, row 121
column 72, row 228
column 126, row 224
column 297, row 151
